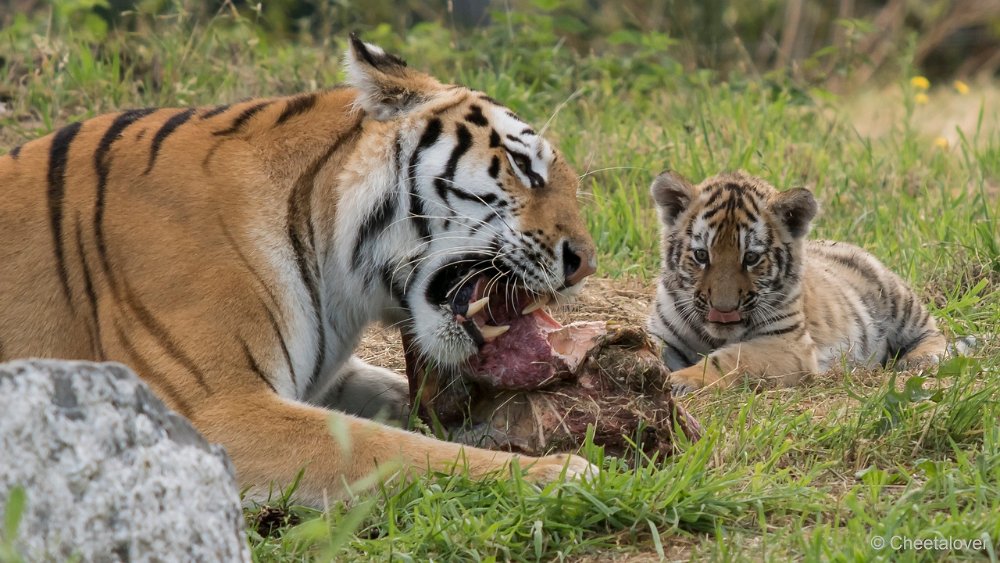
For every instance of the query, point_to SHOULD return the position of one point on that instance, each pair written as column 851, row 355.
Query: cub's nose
column 578, row 263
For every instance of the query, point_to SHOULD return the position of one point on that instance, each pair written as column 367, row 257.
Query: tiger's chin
column 729, row 330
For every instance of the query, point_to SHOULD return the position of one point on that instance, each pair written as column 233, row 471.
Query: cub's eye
column 750, row 258
column 701, row 255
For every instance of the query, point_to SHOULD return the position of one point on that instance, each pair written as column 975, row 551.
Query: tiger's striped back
column 162, row 180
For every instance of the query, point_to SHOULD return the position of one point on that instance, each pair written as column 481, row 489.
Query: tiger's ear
column 672, row 194
column 388, row 87
column 795, row 208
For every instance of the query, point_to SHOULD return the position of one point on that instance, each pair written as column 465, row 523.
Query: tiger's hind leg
column 962, row 346
column 913, row 335
column 364, row 390
column 917, row 342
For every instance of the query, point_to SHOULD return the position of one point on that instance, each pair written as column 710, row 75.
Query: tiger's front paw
column 550, row 468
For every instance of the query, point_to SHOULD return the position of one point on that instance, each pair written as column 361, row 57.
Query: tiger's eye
column 701, row 256
column 522, row 164
column 751, row 258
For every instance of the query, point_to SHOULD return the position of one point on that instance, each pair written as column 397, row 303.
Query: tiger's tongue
column 717, row 316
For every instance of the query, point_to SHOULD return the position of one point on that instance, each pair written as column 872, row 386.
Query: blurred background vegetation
column 839, row 44
column 793, row 89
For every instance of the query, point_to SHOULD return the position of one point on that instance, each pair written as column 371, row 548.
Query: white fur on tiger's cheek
column 436, row 333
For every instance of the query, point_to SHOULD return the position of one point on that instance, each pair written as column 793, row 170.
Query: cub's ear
column 795, row 208
column 672, row 194
column 388, row 87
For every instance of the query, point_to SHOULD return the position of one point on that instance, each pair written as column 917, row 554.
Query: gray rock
column 111, row 474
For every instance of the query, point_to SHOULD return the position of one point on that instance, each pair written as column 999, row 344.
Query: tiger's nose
column 724, row 302
column 577, row 263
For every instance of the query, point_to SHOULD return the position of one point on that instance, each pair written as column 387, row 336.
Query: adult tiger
column 743, row 293
column 233, row 255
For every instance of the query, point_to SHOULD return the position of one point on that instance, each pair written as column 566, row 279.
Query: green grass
column 813, row 472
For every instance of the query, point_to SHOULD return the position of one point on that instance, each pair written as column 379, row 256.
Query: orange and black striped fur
column 233, row 256
column 743, row 293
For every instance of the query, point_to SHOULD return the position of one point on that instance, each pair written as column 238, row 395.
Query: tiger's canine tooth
column 477, row 306
column 491, row 332
column 536, row 305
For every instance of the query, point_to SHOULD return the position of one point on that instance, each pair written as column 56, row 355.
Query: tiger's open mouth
column 487, row 315
column 520, row 346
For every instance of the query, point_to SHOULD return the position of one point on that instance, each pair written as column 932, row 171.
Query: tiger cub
column 743, row 292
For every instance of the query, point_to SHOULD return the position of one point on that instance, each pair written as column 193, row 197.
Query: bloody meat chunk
column 543, row 398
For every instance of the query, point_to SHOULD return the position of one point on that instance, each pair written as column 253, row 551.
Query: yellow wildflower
column 941, row 143
column 961, row 87
column 921, row 98
column 920, row 83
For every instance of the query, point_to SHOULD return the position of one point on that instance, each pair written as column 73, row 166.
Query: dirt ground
column 624, row 301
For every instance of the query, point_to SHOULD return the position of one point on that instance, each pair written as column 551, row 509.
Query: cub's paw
column 918, row 363
column 680, row 388
column 688, row 380
column 550, row 468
